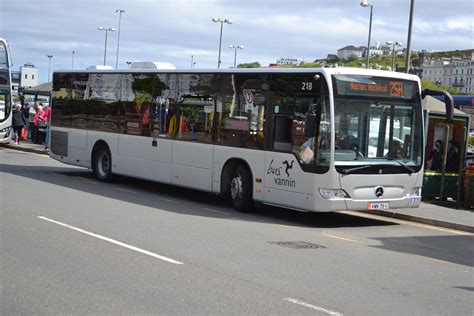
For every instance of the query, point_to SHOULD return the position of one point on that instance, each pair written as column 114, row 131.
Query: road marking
column 401, row 221
column 167, row 200
column 58, row 174
column 342, row 238
column 113, row 241
column 432, row 259
column 86, row 180
column 295, row 301
column 125, row 190
column 214, row 211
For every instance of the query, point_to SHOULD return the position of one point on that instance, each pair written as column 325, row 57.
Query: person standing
column 47, row 118
column 25, row 111
column 452, row 160
column 32, row 113
column 17, row 123
column 38, row 120
column 437, row 156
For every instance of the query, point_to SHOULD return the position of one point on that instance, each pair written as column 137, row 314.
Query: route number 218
column 306, row 86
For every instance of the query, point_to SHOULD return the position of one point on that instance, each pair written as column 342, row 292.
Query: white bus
column 5, row 91
column 307, row 139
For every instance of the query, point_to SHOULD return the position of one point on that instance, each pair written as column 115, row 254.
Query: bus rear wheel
column 102, row 164
column 241, row 189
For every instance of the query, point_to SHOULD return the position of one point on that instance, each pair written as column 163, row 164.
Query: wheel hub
column 104, row 164
column 236, row 187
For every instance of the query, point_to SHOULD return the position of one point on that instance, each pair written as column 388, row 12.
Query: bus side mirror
column 310, row 125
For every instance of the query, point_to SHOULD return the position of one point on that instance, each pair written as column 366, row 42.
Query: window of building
column 26, row 76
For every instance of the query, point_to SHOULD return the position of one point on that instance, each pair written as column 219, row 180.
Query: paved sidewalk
column 428, row 213
column 26, row 145
column 436, row 215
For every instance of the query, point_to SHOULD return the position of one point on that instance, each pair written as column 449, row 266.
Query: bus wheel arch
column 101, row 161
column 237, row 184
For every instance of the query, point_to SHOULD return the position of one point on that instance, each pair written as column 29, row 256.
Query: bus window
column 241, row 111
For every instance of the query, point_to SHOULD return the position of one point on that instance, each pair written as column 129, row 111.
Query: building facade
column 26, row 77
column 452, row 72
column 350, row 51
column 289, row 61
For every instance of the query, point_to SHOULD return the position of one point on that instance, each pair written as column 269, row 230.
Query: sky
column 174, row 30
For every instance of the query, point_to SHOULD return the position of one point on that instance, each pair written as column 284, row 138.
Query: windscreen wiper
column 410, row 170
column 352, row 170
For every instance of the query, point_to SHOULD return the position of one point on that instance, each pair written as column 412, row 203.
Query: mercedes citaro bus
column 324, row 139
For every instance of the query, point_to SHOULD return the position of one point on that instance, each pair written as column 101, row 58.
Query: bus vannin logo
column 276, row 172
column 379, row 191
column 288, row 166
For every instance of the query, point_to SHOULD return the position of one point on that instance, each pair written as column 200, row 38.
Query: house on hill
column 350, row 51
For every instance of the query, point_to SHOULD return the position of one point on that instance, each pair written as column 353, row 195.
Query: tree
column 310, row 65
column 255, row 64
column 426, row 84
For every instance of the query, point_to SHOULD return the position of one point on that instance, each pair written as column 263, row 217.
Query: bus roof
column 326, row 71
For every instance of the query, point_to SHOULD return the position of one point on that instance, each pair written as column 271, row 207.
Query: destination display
column 368, row 86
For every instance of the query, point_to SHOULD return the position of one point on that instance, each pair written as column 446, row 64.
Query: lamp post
column 235, row 47
column 49, row 65
column 72, row 63
column 106, row 29
column 222, row 21
column 393, row 51
column 410, row 22
column 129, row 63
column 192, row 61
column 119, row 11
column 365, row 4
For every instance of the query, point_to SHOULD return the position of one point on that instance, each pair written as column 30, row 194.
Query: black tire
column 102, row 164
column 241, row 189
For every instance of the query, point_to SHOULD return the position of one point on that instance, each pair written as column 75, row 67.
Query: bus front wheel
column 241, row 189
column 102, row 164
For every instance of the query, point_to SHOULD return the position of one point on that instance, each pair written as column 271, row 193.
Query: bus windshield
column 374, row 125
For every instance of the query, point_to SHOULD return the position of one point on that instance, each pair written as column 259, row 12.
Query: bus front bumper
column 383, row 204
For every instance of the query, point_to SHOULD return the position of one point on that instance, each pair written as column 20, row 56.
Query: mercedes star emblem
column 379, row 191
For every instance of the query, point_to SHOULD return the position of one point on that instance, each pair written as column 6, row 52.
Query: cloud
column 173, row 30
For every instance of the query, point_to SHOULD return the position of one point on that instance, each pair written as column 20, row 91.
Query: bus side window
column 282, row 140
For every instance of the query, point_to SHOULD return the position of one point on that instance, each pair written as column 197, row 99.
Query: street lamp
column 393, row 51
column 106, row 29
column 365, row 4
column 235, row 47
column 119, row 11
column 129, row 63
column 410, row 22
column 222, row 21
column 72, row 63
column 49, row 65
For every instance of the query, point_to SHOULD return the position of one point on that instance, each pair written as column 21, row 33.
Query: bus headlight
column 416, row 191
column 333, row 193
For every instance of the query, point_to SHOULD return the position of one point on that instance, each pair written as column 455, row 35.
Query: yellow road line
column 342, row 238
column 432, row 259
column 401, row 221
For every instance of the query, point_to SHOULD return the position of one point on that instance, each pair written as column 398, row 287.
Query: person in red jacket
column 39, row 123
column 47, row 118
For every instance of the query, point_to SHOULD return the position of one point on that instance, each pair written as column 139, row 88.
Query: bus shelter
column 445, row 151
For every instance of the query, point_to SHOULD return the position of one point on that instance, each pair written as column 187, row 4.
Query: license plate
column 378, row 206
